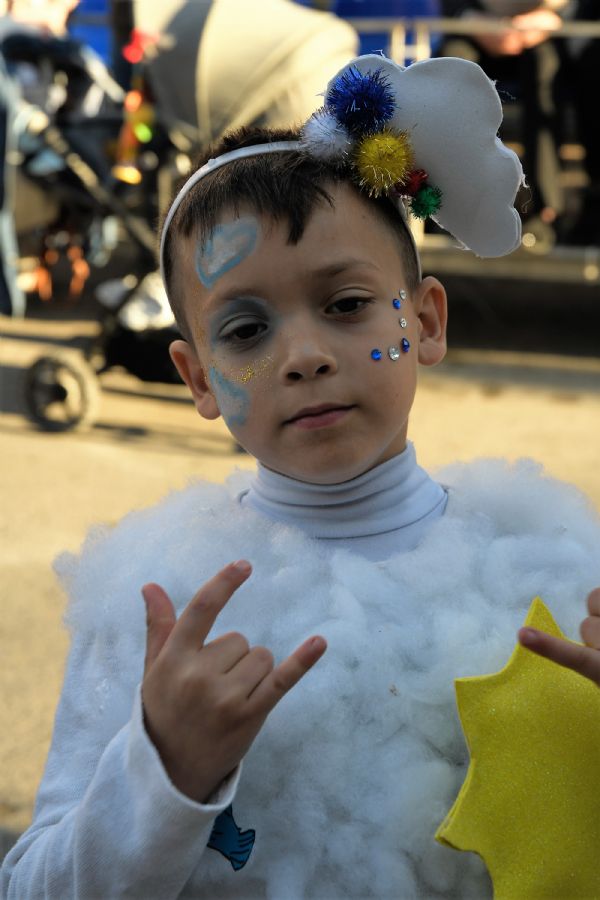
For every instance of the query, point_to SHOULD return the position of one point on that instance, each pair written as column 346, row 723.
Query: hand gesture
column 204, row 703
column 585, row 660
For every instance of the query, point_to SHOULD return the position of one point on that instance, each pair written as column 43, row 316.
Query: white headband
column 240, row 153
column 425, row 135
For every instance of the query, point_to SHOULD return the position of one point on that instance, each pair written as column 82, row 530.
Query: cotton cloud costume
column 411, row 583
column 355, row 769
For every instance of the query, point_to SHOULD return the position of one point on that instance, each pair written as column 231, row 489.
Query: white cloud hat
column 445, row 113
column 451, row 112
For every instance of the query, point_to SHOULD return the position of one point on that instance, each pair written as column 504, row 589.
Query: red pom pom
column 414, row 182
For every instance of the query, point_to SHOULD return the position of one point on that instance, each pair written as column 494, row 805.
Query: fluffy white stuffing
column 356, row 768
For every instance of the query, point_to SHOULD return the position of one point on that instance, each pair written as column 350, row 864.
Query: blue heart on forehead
column 227, row 246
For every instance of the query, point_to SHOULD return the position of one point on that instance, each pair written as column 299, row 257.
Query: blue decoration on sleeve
column 233, row 843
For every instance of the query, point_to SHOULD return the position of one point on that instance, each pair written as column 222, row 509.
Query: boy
column 304, row 312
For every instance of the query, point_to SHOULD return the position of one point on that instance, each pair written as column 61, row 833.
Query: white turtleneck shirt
column 384, row 511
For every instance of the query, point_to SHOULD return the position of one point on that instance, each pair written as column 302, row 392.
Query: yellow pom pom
column 383, row 160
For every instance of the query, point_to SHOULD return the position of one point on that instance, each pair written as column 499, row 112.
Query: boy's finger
column 590, row 631
column 225, row 652
column 288, row 673
column 251, row 670
column 593, row 602
column 199, row 615
column 160, row 621
column 584, row 660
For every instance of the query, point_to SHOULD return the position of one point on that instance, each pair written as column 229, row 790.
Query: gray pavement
column 149, row 440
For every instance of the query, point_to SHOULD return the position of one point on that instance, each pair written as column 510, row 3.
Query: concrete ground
column 148, row 440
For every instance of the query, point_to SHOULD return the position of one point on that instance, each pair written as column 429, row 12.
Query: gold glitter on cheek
column 262, row 367
column 246, row 374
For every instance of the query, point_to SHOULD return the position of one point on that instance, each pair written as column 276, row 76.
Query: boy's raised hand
column 204, row 703
column 585, row 660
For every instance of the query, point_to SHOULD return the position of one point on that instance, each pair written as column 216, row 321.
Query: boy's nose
column 307, row 359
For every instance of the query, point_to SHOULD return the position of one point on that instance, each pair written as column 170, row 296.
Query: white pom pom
column 323, row 136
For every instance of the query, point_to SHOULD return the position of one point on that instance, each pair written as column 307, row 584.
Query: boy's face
column 284, row 338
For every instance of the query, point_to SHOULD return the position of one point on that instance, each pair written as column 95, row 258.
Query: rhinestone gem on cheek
column 394, row 353
column 376, row 354
column 405, row 345
column 396, row 303
column 402, row 294
column 403, row 322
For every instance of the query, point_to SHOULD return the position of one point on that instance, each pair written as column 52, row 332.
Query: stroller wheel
column 61, row 392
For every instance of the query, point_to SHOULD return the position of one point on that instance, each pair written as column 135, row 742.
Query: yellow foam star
column 530, row 803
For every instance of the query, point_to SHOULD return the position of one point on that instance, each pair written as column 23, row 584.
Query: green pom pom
column 426, row 202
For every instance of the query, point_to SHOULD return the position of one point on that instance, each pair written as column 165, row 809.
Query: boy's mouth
column 318, row 416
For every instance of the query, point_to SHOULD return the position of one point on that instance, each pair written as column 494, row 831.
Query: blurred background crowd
column 105, row 103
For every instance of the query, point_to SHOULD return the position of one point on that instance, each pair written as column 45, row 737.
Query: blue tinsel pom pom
column 361, row 102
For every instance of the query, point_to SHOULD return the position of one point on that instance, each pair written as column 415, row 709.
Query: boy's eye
column 348, row 305
column 241, row 332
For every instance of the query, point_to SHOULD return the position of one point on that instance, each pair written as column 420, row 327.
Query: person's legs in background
column 12, row 298
column 584, row 80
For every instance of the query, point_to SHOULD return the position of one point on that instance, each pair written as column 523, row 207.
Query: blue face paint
column 226, row 247
column 233, row 401
column 240, row 313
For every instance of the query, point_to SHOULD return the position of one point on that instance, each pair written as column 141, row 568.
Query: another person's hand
column 585, row 660
column 521, row 33
column 204, row 703
column 506, row 42
column 536, row 27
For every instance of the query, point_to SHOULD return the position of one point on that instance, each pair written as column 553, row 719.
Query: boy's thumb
column 160, row 621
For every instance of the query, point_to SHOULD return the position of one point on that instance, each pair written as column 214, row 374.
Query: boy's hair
column 283, row 186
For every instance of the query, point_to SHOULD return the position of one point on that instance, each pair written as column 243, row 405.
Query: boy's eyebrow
column 219, row 300
column 340, row 265
column 330, row 270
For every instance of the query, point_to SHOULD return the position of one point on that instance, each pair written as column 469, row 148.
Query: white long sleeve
column 108, row 821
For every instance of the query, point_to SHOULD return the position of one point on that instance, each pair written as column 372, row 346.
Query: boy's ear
column 431, row 306
column 191, row 370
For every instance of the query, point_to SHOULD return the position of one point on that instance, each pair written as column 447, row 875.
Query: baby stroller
column 62, row 390
column 91, row 212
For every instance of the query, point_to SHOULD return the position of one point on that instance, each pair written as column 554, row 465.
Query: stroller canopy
column 223, row 64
